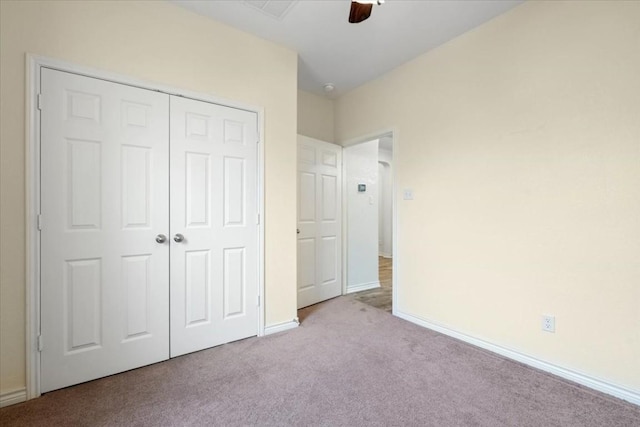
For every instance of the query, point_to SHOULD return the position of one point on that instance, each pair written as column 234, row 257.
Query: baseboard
column 623, row 393
column 363, row 287
column 13, row 397
column 281, row 327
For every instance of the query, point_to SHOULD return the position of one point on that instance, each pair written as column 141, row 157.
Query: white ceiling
column 331, row 50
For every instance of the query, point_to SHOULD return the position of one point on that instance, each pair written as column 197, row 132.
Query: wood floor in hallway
column 380, row 297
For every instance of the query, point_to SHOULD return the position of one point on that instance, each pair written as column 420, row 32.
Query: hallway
column 380, row 297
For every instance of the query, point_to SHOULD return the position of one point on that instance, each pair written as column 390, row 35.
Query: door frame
column 33, row 67
column 395, row 260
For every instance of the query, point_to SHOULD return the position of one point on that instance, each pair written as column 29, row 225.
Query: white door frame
column 390, row 166
column 395, row 261
column 34, row 65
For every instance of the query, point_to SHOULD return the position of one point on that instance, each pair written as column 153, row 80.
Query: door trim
column 33, row 67
column 395, row 261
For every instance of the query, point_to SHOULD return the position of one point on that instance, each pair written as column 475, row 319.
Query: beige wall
column 521, row 141
column 157, row 42
column 315, row 116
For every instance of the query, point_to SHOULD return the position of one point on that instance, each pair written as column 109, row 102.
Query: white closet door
column 214, row 231
column 104, row 186
column 319, row 221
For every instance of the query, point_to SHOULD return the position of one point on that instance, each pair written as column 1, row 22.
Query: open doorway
column 369, row 211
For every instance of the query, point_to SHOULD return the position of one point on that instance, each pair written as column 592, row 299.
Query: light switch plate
column 407, row 194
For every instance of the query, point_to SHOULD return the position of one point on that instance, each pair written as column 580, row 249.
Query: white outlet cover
column 548, row 323
column 407, row 194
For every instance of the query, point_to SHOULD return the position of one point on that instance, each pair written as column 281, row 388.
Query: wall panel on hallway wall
column 361, row 166
column 385, row 203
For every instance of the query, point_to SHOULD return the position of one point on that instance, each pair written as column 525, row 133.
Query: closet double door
column 149, row 238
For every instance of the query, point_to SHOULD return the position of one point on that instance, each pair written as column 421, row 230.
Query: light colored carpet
column 348, row 365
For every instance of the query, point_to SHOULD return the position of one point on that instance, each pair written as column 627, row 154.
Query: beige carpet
column 348, row 365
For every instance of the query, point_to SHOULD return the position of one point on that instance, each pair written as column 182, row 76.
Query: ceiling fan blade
column 359, row 12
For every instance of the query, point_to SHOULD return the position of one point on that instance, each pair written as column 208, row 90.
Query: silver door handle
column 178, row 238
column 161, row 238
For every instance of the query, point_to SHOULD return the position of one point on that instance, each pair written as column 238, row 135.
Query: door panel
column 319, row 221
column 197, row 287
column 306, row 263
column 307, row 196
column 136, row 180
column 104, row 198
column 329, row 259
column 233, row 282
column 329, row 197
column 137, row 283
column 214, row 275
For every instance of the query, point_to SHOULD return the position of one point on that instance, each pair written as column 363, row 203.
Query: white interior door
column 104, row 199
column 319, row 221
column 214, row 227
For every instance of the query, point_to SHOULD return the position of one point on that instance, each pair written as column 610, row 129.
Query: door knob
column 178, row 238
column 161, row 238
column 297, row 231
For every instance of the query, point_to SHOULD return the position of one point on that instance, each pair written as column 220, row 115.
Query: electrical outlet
column 548, row 323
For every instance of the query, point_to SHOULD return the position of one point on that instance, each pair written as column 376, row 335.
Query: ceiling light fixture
column 361, row 10
column 329, row 87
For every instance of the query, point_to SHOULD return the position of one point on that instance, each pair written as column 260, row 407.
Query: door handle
column 161, row 238
column 297, row 231
column 178, row 238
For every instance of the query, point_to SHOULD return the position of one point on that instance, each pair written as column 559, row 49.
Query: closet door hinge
column 40, row 343
column 258, row 219
column 39, row 222
column 39, row 101
column 258, row 300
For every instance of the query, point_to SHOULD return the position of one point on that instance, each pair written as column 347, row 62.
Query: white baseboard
column 623, row 393
column 363, row 287
column 281, row 327
column 12, row 397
